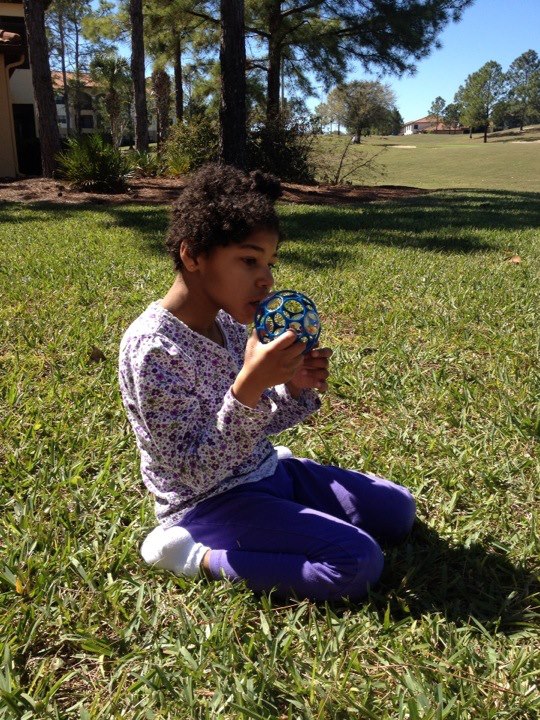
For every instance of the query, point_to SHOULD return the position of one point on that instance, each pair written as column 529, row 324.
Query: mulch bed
column 164, row 190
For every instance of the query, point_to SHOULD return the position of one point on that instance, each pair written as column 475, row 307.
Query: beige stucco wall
column 8, row 153
column 20, row 85
column 11, row 9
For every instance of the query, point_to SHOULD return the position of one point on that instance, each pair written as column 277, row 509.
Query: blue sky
column 498, row 30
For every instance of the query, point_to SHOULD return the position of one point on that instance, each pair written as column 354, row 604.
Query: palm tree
column 111, row 75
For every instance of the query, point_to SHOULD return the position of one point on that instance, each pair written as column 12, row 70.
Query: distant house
column 19, row 142
column 87, row 93
column 19, row 146
column 425, row 124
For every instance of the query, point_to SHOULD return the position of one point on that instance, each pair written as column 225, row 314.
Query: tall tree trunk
column 485, row 132
column 137, row 71
column 274, row 64
column 178, row 80
column 77, row 97
column 62, row 33
column 49, row 135
column 232, row 113
column 162, row 94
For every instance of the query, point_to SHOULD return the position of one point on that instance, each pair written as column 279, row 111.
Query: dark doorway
column 28, row 150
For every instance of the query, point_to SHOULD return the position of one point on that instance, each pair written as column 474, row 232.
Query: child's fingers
column 287, row 342
column 318, row 352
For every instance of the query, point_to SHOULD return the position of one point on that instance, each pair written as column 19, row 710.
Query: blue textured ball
column 288, row 310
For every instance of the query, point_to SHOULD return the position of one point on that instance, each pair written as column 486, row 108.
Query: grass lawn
column 505, row 162
column 435, row 384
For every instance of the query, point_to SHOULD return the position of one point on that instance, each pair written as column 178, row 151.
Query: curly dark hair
column 221, row 205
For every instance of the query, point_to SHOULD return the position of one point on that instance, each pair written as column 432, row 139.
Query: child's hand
column 267, row 365
column 313, row 372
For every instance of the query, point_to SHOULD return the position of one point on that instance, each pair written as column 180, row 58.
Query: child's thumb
column 285, row 340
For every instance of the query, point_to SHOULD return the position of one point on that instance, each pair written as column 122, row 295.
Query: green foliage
column 479, row 95
column 146, row 164
column 361, row 105
column 437, row 108
column 284, row 149
column 93, row 164
column 112, row 77
column 434, row 384
column 523, row 79
column 191, row 144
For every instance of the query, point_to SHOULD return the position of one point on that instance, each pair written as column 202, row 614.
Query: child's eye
column 250, row 261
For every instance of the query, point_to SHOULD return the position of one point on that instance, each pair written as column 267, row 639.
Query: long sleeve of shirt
column 194, row 437
column 290, row 410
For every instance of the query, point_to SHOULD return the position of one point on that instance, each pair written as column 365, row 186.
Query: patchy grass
column 437, row 161
column 432, row 307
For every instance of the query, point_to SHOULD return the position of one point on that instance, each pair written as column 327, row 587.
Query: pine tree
column 523, row 78
column 480, row 94
column 233, row 120
column 49, row 135
column 137, row 71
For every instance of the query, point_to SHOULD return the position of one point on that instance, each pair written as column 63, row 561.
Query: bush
column 93, row 164
column 191, row 145
column 283, row 149
column 146, row 164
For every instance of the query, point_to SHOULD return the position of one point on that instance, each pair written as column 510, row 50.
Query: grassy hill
column 506, row 162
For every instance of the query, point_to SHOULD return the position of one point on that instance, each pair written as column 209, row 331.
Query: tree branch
column 307, row 6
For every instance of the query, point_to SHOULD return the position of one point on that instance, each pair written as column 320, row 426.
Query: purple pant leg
column 263, row 533
column 378, row 506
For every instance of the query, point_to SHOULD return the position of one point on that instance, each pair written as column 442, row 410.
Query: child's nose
column 267, row 280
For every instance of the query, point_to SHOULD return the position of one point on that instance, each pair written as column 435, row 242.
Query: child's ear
column 188, row 261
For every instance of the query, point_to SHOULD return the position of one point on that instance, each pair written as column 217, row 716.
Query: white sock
column 173, row 549
column 283, row 452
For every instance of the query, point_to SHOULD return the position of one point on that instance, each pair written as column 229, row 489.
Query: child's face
column 237, row 277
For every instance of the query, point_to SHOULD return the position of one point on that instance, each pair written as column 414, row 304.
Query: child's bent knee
column 368, row 567
column 405, row 518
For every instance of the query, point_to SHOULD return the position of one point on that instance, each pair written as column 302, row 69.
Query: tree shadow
column 475, row 582
column 149, row 222
column 448, row 221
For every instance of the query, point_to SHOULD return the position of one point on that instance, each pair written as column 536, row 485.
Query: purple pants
column 308, row 530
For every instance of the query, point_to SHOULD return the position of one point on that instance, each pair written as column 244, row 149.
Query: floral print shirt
column 194, row 437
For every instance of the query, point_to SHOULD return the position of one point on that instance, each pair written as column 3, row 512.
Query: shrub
column 283, row 149
column 191, row 145
column 146, row 164
column 93, row 164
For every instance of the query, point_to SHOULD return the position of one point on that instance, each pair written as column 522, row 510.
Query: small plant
column 361, row 163
column 146, row 164
column 191, row 145
column 94, row 165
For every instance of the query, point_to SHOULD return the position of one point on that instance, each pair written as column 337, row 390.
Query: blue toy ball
column 288, row 310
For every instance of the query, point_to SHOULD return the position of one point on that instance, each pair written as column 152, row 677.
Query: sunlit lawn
column 435, row 384
column 437, row 161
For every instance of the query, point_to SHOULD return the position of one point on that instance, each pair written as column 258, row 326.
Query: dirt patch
column 164, row 190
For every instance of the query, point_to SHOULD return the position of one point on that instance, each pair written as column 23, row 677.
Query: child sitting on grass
column 203, row 397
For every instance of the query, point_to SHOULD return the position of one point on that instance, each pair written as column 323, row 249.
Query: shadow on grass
column 461, row 583
column 445, row 221
column 149, row 222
